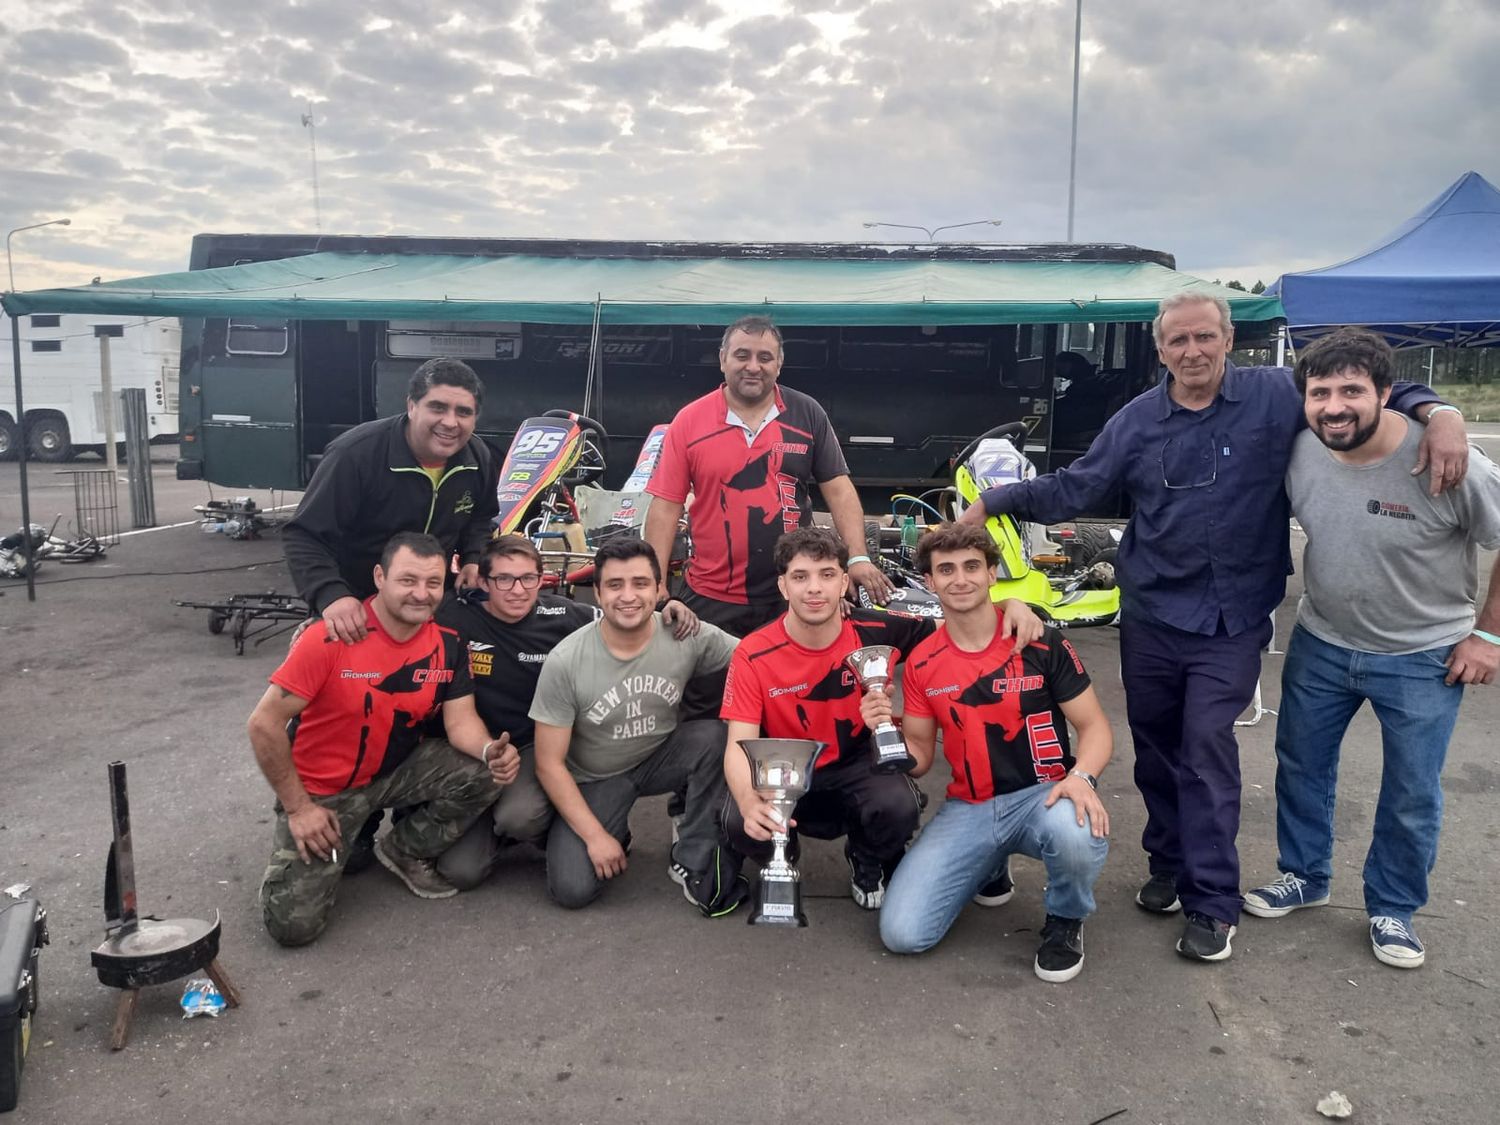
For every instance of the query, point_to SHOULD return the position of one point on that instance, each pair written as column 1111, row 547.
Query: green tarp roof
column 564, row 290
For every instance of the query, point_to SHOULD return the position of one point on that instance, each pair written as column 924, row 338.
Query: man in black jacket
column 424, row 471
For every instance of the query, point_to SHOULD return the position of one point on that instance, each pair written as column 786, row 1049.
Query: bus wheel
column 8, row 437
column 47, row 438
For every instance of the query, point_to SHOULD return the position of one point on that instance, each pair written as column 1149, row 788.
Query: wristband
column 858, row 559
column 1483, row 636
column 1444, row 406
column 484, row 753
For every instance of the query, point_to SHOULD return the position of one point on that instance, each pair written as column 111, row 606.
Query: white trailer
column 60, row 365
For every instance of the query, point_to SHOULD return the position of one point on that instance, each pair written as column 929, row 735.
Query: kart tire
column 217, row 619
column 1092, row 540
column 1106, row 557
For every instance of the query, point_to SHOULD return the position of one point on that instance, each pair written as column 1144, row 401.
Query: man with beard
column 747, row 451
column 1202, row 566
column 788, row 679
column 1387, row 615
column 338, row 734
column 609, row 731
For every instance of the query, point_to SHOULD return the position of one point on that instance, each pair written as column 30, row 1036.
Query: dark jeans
column 877, row 811
column 690, row 760
column 1183, row 692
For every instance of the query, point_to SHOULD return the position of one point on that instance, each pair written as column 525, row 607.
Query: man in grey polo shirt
column 606, row 710
column 1387, row 616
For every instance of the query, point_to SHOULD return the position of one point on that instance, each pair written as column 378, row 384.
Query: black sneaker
column 1204, row 938
column 1159, row 894
column 717, row 892
column 1060, row 956
column 999, row 890
column 361, row 856
column 866, row 880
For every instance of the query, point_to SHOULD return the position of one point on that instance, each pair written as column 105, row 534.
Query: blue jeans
column 965, row 844
column 1322, row 686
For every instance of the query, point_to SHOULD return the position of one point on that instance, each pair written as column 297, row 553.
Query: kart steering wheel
column 591, row 453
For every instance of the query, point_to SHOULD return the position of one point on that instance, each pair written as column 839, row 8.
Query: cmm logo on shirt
column 464, row 503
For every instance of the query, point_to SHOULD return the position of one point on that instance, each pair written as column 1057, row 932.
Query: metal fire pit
column 138, row 952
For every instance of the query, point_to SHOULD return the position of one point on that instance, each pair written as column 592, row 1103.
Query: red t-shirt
column 794, row 692
column 367, row 701
column 746, row 495
column 999, row 710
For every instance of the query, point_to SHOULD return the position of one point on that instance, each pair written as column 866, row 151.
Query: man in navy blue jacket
column 1202, row 567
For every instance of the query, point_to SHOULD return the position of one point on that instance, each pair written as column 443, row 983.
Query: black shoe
column 1060, row 956
column 866, row 880
column 717, row 892
column 999, row 890
column 1204, row 938
column 1159, row 894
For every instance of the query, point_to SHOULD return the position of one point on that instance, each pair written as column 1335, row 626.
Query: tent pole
column 15, row 352
column 588, row 382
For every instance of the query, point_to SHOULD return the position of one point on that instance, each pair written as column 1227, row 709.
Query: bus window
column 256, row 337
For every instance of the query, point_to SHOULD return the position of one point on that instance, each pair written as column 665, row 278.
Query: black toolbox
column 23, row 932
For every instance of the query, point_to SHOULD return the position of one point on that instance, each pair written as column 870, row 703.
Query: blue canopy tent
column 1433, row 282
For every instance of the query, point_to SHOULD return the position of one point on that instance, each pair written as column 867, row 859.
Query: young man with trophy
column 800, row 677
column 1018, row 786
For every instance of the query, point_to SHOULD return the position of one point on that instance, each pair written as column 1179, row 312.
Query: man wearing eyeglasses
column 1202, row 566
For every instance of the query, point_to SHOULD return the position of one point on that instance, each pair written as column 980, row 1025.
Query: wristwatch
column 1090, row 778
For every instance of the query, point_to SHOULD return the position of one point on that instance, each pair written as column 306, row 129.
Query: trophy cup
column 780, row 768
column 872, row 666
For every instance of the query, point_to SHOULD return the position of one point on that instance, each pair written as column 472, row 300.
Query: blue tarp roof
column 1434, row 280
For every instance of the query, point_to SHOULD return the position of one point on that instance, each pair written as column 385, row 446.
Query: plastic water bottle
column 909, row 536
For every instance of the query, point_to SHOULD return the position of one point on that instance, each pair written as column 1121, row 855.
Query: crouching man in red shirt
column 338, row 735
column 1004, row 711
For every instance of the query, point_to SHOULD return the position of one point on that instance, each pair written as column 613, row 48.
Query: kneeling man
column 606, row 711
column 338, row 735
column 1017, row 786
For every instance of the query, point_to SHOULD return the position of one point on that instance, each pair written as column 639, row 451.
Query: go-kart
column 1070, row 585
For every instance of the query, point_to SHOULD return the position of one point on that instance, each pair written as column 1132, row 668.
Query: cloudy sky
column 1246, row 138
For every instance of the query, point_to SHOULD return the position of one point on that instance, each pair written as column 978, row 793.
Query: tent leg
column 15, row 351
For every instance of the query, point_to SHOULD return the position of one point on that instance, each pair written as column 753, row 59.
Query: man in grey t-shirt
column 1387, row 616
column 606, row 710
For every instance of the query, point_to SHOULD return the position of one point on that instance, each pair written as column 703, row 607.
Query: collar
column 778, row 403
column 1232, row 389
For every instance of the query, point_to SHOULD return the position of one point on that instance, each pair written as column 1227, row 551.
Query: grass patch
column 1479, row 404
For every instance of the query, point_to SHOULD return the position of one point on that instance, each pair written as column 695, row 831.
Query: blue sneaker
column 1286, row 893
column 1395, row 942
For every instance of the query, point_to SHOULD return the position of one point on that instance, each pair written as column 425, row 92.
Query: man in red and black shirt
column 339, row 734
column 788, row 679
column 747, row 451
column 1017, row 786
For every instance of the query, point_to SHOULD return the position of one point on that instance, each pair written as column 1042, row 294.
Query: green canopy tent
column 915, row 286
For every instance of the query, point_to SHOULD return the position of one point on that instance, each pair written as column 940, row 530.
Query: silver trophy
column 781, row 769
column 872, row 665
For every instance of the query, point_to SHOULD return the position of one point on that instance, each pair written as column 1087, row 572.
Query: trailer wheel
column 217, row 618
column 47, row 437
column 8, row 437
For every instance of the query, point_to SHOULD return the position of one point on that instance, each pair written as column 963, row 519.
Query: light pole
column 1073, row 147
column 9, row 267
column 933, row 232
column 312, row 139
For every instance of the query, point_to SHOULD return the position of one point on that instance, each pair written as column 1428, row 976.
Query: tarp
column 565, row 290
column 1434, row 280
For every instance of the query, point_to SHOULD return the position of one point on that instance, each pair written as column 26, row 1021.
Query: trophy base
column 891, row 754
column 778, row 902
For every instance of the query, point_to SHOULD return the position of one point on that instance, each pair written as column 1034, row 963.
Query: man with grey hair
column 1202, row 566
column 746, row 452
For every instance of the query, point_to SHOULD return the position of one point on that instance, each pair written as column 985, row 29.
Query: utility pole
column 312, row 139
column 1073, row 148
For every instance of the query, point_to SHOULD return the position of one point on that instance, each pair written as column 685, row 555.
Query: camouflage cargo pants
column 449, row 789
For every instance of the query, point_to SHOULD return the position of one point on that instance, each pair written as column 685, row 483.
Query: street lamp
column 1073, row 143
column 11, row 269
column 933, row 232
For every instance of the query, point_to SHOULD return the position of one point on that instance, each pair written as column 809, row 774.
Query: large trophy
column 872, row 666
column 781, row 769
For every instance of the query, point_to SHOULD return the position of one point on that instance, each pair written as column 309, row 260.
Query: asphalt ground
column 497, row 1005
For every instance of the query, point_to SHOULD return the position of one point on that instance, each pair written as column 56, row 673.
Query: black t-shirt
column 505, row 660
